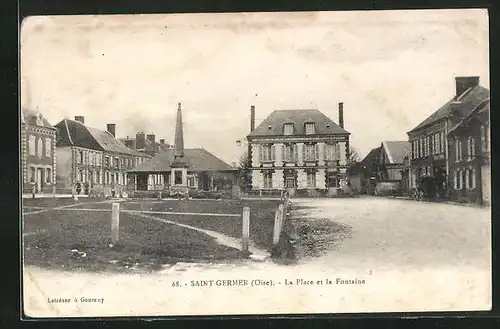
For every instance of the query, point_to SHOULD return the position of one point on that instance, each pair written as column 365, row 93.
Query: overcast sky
column 391, row 69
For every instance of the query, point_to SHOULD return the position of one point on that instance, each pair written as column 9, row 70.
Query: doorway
column 39, row 179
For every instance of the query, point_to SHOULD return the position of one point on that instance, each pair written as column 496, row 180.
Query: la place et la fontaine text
column 260, row 282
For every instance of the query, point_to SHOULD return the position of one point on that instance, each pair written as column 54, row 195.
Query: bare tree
column 353, row 155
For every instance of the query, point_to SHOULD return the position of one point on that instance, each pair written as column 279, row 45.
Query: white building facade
column 301, row 151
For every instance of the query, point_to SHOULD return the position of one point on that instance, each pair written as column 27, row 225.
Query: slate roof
column 478, row 110
column 468, row 101
column 30, row 117
column 396, row 150
column 74, row 133
column 371, row 157
column 273, row 124
column 197, row 159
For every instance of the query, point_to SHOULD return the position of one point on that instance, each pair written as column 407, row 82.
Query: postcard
column 255, row 163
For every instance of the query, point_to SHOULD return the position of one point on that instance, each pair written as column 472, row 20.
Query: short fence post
column 115, row 222
column 246, row 229
column 280, row 208
column 277, row 228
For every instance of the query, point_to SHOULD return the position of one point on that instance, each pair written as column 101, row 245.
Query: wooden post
column 246, row 229
column 280, row 208
column 115, row 222
column 277, row 229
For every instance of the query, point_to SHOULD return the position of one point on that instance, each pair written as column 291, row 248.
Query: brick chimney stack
column 111, row 128
column 80, row 119
column 464, row 83
column 341, row 115
column 252, row 118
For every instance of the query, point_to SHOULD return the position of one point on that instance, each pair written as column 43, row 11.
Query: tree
column 353, row 155
column 244, row 172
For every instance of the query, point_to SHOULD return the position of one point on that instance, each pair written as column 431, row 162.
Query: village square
column 149, row 210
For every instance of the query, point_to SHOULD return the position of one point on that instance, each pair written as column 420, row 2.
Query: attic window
column 269, row 127
column 288, row 129
column 310, row 128
column 328, row 126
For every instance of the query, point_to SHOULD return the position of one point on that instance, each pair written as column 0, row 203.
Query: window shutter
column 337, row 151
column 273, row 152
column 455, row 180
column 325, row 157
column 473, row 146
column 316, row 152
column 467, row 179
column 295, row 152
column 283, row 154
column 473, row 178
column 261, row 153
column 304, row 152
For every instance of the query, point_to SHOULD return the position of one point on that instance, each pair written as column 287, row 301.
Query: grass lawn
column 144, row 243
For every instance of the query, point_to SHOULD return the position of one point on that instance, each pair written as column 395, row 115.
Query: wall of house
column 394, row 173
column 321, row 179
column 64, row 169
column 38, row 160
column 486, row 184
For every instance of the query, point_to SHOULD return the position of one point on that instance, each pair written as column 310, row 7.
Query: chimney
column 80, row 119
column 341, row 115
column 464, row 83
column 111, row 128
column 151, row 138
column 140, row 141
column 252, row 118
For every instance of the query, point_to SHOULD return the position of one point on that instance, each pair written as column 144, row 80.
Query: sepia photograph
column 255, row 163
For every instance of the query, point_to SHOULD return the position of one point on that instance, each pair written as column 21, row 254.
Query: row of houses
column 452, row 146
column 72, row 157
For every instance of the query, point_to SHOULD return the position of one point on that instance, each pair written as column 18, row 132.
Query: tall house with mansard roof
column 430, row 147
column 302, row 151
column 93, row 159
column 38, row 159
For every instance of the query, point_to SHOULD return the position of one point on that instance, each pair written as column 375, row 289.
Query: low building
column 38, row 156
column 302, row 151
column 430, row 149
column 470, row 154
column 92, row 159
column 391, row 161
column 180, row 170
column 145, row 143
column 364, row 175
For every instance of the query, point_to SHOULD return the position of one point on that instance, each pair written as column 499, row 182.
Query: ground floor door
column 142, row 182
column 39, row 179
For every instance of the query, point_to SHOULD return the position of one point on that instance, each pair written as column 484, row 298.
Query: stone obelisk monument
column 178, row 175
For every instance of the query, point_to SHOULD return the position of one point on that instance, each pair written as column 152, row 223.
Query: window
column 290, row 180
column 421, row 148
column 483, row 139
column 473, row 178
column 106, row 161
column 413, row 150
column 332, row 152
column 310, row 129
column 117, row 162
column 310, row 152
column 290, row 152
column 48, row 144
column 455, row 180
column 311, row 179
column 288, row 129
column 438, row 143
column 98, row 177
column 191, row 181
column 48, row 175
column 267, row 153
column 471, row 145
column 268, row 180
column 458, row 150
column 32, row 145
column 428, row 145
column 39, row 147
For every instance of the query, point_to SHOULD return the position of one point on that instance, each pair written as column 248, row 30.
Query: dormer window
column 39, row 120
column 288, row 129
column 310, row 129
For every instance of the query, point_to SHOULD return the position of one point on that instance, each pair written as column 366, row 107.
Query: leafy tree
column 244, row 172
